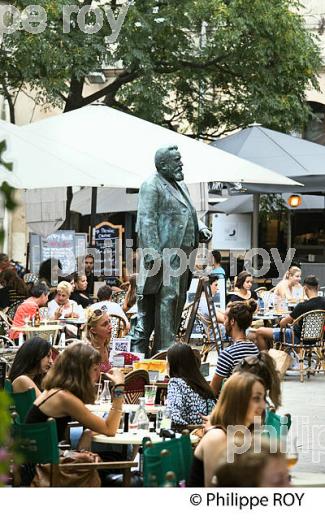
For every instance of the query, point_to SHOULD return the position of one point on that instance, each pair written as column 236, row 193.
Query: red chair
column 134, row 386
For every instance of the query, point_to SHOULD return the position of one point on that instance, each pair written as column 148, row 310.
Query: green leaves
column 202, row 66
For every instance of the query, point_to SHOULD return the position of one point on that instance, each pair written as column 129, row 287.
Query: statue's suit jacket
column 162, row 222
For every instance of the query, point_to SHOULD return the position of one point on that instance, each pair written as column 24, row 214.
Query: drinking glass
column 133, row 423
column 291, row 450
column 45, row 315
column 150, row 394
column 98, row 387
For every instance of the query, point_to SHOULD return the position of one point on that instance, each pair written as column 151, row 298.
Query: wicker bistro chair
column 135, row 382
column 162, row 355
column 119, row 328
column 208, row 339
column 311, row 342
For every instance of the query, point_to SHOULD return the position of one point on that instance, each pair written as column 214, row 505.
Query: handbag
column 65, row 477
column 282, row 361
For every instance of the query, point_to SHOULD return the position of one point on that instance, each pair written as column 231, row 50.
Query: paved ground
column 306, row 403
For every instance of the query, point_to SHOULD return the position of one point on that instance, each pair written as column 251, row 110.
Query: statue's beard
column 179, row 176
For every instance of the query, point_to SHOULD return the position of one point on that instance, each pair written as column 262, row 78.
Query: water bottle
column 166, row 422
column 141, row 418
column 105, row 396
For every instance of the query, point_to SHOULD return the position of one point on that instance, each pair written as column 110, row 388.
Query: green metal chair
column 23, row 402
column 174, row 455
column 38, row 444
column 8, row 386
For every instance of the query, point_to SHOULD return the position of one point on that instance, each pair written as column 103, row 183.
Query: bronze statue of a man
column 168, row 228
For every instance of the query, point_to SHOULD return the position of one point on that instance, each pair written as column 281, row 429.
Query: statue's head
column 169, row 164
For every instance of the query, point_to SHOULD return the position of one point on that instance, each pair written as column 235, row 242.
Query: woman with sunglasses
column 98, row 333
column 238, row 318
column 263, row 366
column 242, row 405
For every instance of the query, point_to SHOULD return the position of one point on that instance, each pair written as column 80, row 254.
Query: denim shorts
column 278, row 335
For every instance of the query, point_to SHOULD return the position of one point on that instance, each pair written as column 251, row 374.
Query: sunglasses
column 251, row 361
column 98, row 312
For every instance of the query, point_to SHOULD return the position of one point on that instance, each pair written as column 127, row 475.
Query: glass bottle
column 105, row 396
column 37, row 320
column 141, row 418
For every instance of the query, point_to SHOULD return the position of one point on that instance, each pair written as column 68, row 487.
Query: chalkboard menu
column 108, row 240
column 65, row 246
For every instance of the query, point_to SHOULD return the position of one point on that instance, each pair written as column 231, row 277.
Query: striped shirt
column 233, row 355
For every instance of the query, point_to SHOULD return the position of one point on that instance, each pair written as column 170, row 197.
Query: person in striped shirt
column 238, row 318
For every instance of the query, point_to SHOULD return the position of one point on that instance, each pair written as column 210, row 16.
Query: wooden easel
column 204, row 286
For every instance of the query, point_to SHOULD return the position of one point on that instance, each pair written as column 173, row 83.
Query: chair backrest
column 312, row 328
column 118, row 326
column 23, row 402
column 8, row 386
column 260, row 291
column 5, row 323
column 160, row 355
column 135, row 382
column 173, row 455
column 37, row 443
column 13, row 308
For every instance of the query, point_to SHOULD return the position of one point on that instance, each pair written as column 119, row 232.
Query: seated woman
column 290, row 287
column 243, row 288
column 241, row 404
column 98, row 333
column 13, row 289
column 70, row 385
column 238, row 318
column 79, row 294
column 264, row 467
column 189, row 395
column 31, row 363
column 62, row 306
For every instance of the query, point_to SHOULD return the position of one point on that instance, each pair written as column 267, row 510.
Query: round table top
column 28, row 328
column 302, row 479
column 128, row 438
column 135, row 438
column 102, row 408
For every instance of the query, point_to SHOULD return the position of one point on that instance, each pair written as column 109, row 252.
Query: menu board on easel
column 108, row 240
column 203, row 287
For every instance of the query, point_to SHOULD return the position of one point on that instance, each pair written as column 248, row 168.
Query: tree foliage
column 202, row 67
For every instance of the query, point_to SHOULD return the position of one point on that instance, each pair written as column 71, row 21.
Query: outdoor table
column 127, row 408
column 45, row 330
column 302, row 479
column 74, row 321
column 135, row 438
column 270, row 318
